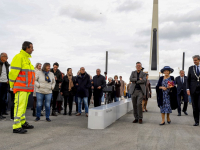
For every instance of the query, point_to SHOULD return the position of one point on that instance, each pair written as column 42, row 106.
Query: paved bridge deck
column 71, row 133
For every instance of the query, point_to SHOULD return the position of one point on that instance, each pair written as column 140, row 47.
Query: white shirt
column 3, row 77
column 198, row 67
column 182, row 78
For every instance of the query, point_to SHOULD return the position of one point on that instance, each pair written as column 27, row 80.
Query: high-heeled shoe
column 162, row 124
column 169, row 122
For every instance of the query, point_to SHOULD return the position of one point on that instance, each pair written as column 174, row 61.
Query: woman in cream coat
column 45, row 83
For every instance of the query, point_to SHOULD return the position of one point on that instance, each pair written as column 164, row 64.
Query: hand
column 140, row 78
column 188, row 92
column 77, row 84
column 164, row 88
column 55, row 78
column 169, row 87
column 7, row 82
column 92, row 87
column 99, row 87
column 61, row 93
column 92, row 82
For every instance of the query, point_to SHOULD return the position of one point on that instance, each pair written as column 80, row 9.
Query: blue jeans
column 102, row 98
column 190, row 100
column 85, row 100
column 40, row 98
column 116, row 99
column 129, row 95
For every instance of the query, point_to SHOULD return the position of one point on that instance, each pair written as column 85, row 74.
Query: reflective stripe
column 27, row 70
column 23, row 115
column 21, row 75
column 16, row 68
column 20, row 87
column 20, row 81
column 11, row 80
column 23, row 119
column 26, row 79
column 16, row 117
column 16, row 122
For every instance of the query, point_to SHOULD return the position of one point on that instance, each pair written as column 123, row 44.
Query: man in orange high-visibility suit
column 22, row 80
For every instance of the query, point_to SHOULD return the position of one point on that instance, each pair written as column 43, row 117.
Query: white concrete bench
column 103, row 116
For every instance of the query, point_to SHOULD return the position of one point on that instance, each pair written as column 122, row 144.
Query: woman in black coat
column 117, row 88
column 166, row 94
column 68, row 90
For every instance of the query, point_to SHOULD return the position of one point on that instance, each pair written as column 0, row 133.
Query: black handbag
column 108, row 89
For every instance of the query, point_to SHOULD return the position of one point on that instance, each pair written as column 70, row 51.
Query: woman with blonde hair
column 38, row 67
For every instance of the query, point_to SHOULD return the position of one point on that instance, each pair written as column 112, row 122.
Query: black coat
column 65, row 86
column 172, row 93
column 99, row 81
column 7, row 67
column 192, row 80
column 59, row 79
column 84, row 84
column 117, row 89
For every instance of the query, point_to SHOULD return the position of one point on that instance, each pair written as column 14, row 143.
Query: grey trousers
column 137, row 98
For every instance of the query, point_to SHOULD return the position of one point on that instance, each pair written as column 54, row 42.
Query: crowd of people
column 53, row 89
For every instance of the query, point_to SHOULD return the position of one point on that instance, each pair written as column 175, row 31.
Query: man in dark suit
column 137, row 91
column 99, row 82
column 181, row 82
column 193, row 87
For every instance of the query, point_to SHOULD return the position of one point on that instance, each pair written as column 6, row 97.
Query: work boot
column 19, row 130
column 27, row 126
column 54, row 113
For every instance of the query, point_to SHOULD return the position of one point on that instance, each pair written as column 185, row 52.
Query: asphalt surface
column 71, row 133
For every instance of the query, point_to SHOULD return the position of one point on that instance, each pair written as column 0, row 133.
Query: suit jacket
column 192, row 82
column 142, row 83
column 181, row 86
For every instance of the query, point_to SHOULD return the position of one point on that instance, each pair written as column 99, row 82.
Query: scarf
column 71, row 84
column 47, row 77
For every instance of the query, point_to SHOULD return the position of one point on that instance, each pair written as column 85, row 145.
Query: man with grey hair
column 181, row 82
column 99, row 82
column 193, row 87
column 4, row 71
column 137, row 91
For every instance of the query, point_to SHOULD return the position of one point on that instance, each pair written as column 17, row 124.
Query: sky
column 78, row 33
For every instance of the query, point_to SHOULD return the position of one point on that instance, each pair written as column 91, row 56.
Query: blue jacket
column 84, row 84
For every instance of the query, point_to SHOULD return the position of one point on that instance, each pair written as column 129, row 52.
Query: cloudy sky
column 77, row 33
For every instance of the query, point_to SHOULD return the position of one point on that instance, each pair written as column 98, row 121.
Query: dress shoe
column 185, row 113
column 135, row 121
column 179, row 114
column 196, row 124
column 70, row 113
column 64, row 113
column 19, row 130
column 140, row 121
column 162, row 124
column 26, row 125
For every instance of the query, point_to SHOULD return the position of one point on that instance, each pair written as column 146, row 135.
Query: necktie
column 197, row 70
column 182, row 80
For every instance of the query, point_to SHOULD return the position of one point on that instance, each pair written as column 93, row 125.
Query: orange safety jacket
column 22, row 73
